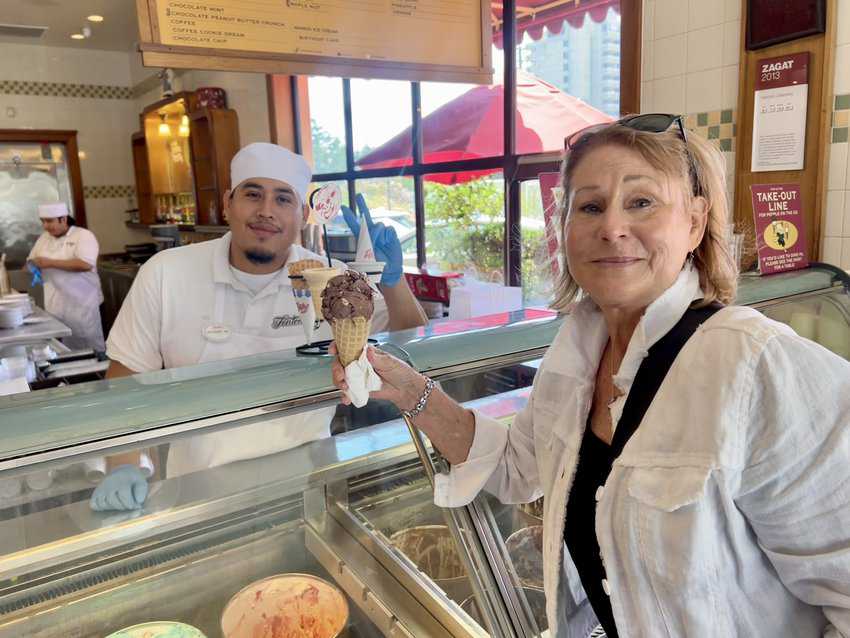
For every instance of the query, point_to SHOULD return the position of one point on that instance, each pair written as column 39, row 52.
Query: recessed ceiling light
column 78, row 36
column 95, row 18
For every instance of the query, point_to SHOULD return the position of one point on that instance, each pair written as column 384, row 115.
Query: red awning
column 533, row 15
column 472, row 126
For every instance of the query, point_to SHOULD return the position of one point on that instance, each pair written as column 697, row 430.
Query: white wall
column 690, row 64
column 103, row 124
column 836, row 227
column 246, row 94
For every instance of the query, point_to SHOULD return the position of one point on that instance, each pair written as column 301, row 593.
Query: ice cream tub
column 286, row 606
column 158, row 629
column 525, row 547
column 432, row 549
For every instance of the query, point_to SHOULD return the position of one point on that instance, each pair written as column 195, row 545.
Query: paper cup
column 306, row 310
column 286, row 605
column 317, row 279
column 372, row 269
column 165, row 629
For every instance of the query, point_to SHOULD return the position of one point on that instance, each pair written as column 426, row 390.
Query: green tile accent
column 726, row 145
column 726, row 116
column 842, row 102
column 839, row 135
column 61, row 89
column 109, row 190
column 702, row 119
column 713, row 132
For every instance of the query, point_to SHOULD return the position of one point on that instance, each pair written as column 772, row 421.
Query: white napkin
column 362, row 379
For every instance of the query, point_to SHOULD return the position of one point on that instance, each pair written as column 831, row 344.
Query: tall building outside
column 583, row 62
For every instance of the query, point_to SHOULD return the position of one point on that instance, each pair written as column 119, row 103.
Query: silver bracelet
column 420, row 405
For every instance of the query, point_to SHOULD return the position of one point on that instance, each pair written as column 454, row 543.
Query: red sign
column 786, row 70
column 430, row 287
column 780, row 232
column 549, row 185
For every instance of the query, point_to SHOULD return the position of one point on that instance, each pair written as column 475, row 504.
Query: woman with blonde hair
column 694, row 455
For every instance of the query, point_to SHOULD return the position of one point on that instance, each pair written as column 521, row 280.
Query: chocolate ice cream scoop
column 347, row 296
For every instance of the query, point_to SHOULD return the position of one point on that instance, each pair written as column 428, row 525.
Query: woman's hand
column 449, row 425
column 402, row 385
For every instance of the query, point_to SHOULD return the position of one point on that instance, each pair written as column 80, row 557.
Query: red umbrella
column 472, row 126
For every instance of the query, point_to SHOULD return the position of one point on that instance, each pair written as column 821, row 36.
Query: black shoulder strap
column 653, row 369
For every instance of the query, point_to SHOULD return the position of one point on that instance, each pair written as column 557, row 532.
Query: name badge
column 217, row 333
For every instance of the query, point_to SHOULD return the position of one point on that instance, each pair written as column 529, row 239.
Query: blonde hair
column 666, row 152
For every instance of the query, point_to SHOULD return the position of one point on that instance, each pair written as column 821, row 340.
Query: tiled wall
column 87, row 91
column 836, row 227
column 690, row 66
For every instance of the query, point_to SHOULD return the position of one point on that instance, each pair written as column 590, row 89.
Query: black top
column 594, row 464
column 595, row 459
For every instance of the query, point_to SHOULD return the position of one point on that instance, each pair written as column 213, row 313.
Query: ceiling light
column 164, row 129
column 95, row 18
column 78, row 36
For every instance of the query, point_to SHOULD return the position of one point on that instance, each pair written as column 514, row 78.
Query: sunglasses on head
column 646, row 123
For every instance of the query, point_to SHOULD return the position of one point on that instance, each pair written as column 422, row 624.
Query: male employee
column 67, row 257
column 231, row 297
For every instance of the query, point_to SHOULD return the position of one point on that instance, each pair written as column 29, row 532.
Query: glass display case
column 335, row 536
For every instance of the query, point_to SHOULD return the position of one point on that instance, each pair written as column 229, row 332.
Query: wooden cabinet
column 181, row 160
column 141, row 169
column 214, row 140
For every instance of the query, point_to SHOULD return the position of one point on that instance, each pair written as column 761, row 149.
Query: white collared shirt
column 162, row 320
column 728, row 512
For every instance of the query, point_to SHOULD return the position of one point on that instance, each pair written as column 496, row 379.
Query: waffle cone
column 297, row 267
column 350, row 336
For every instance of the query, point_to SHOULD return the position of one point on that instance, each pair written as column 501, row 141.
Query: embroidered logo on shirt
column 287, row 321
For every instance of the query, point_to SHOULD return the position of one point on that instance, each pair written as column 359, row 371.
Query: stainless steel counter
column 48, row 327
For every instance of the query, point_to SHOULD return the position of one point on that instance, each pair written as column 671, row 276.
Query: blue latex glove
column 36, row 274
column 384, row 241
column 125, row 488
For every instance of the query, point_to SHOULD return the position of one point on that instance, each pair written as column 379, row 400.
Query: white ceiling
column 118, row 31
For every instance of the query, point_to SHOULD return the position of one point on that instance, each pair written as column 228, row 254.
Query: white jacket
column 728, row 512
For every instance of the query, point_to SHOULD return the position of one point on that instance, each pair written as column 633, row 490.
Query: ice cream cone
column 317, row 279
column 303, row 297
column 350, row 336
column 296, row 268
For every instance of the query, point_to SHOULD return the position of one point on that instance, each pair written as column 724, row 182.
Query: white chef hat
column 53, row 210
column 271, row 161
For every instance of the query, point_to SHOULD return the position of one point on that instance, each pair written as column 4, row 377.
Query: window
column 465, row 224
column 470, row 192
column 327, row 125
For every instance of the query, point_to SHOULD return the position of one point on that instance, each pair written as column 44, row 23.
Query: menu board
column 405, row 35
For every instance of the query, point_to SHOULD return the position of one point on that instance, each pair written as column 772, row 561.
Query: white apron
column 74, row 298
column 246, row 442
